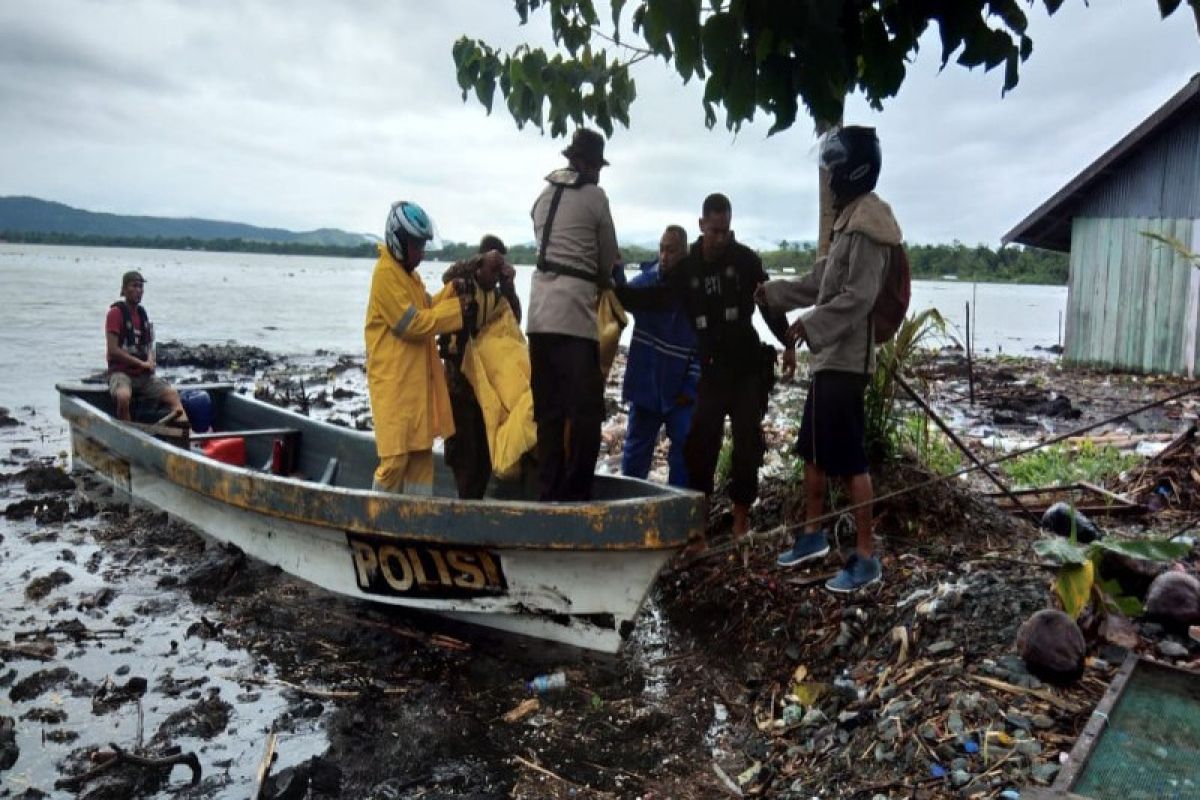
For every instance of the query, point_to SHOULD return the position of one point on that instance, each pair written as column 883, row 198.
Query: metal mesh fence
column 1151, row 747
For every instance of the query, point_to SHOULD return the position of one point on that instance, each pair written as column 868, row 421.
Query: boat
column 576, row 573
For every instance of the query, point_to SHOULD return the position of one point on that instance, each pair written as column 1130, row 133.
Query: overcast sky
column 319, row 114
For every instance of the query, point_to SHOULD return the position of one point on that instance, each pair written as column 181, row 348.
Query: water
column 51, row 323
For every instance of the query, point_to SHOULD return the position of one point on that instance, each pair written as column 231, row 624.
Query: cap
column 132, row 275
column 587, row 146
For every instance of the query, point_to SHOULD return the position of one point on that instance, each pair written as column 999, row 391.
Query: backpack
column 891, row 304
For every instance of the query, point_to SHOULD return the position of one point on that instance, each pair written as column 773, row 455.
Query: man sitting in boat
column 487, row 367
column 409, row 400
column 129, row 346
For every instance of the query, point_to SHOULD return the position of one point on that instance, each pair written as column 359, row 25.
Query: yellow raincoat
column 409, row 400
column 496, row 362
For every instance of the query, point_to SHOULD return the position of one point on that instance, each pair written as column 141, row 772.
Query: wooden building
column 1132, row 302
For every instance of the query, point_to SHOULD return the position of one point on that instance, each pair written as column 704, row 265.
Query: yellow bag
column 611, row 320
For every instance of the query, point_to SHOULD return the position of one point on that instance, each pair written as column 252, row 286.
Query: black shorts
column 832, row 429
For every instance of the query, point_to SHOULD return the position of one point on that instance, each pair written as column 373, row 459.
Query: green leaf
column 617, row 7
column 1148, row 549
column 1061, row 550
column 1129, row 606
column 1073, row 587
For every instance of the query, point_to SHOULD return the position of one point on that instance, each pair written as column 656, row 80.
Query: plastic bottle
column 547, row 683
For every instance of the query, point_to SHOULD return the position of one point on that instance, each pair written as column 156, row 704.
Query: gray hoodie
column 841, row 290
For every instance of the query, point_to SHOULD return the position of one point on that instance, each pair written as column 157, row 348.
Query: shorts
column 832, row 430
column 148, row 386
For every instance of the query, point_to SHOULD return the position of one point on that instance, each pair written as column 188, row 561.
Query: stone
column 960, row 777
column 1052, row 646
column 1171, row 649
column 1174, row 599
column 1044, row 773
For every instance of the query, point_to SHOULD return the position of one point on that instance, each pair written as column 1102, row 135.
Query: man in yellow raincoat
column 409, row 401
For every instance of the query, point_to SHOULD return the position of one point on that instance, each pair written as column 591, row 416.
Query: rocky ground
column 127, row 637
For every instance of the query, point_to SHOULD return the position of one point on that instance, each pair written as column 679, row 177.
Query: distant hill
column 29, row 215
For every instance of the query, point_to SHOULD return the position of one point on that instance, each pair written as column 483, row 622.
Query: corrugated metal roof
column 1049, row 226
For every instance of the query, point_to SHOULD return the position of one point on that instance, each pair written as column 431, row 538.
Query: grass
column 1063, row 464
column 931, row 447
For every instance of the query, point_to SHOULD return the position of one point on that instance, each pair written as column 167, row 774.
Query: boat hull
column 562, row 572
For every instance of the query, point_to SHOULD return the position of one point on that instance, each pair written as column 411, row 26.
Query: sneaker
column 858, row 572
column 807, row 547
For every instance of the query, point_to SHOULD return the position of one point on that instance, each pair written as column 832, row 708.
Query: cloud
column 312, row 114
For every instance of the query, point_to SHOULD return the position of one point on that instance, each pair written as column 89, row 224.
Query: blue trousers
column 642, row 434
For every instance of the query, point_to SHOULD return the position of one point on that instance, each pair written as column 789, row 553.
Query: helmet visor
column 833, row 151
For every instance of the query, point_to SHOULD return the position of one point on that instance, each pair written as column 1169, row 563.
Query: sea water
column 55, row 299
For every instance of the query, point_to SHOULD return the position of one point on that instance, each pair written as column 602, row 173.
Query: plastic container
column 198, row 406
column 547, row 683
column 231, row 450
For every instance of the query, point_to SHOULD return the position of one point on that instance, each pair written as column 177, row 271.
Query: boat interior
column 249, row 433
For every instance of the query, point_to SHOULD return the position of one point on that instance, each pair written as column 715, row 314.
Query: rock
column 5, row 419
column 1171, row 649
column 42, row 480
column 38, row 588
column 960, row 777
column 8, row 743
column 1044, row 773
column 1174, row 599
column 1052, row 646
column 944, row 646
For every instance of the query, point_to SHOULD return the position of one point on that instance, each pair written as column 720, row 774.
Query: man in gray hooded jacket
column 840, row 294
column 577, row 250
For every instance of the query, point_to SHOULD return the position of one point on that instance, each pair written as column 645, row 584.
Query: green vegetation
column 954, row 261
column 1062, row 464
column 893, row 358
column 1007, row 265
column 1076, row 582
column 931, row 447
column 189, row 243
column 764, row 57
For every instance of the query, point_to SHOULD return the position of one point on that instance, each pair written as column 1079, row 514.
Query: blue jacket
column 663, row 364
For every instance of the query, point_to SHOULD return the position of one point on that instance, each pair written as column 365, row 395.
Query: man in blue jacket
column 662, row 371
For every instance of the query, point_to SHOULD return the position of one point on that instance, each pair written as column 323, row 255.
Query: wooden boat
column 570, row 572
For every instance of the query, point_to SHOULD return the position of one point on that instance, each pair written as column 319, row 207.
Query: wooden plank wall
column 1129, row 297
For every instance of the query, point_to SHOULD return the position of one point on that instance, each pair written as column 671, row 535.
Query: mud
column 123, row 626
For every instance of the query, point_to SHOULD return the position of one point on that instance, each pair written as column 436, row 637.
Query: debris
column 1064, row 520
column 523, row 709
column 120, row 756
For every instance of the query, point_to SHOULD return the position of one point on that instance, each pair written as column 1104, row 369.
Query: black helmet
column 853, row 159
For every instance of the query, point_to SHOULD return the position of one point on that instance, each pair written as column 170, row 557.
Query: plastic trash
column 547, row 683
column 937, row 771
column 970, row 746
column 1061, row 517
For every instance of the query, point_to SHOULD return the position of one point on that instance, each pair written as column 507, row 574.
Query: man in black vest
column 129, row 339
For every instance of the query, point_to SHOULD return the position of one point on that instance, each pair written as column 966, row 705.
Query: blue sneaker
column 858, row 572
column 807, row 547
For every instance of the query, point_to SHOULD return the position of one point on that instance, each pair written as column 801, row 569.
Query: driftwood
column 121, row 756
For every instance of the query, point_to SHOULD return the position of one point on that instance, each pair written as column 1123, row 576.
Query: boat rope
column 725, row 547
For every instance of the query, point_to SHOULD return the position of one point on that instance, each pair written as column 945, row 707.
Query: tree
column 753, row 55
